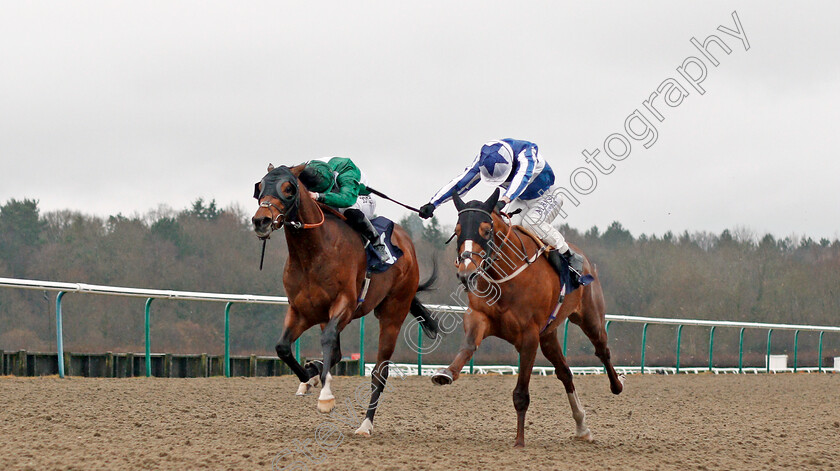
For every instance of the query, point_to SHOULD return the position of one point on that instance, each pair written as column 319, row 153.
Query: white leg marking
column 582, row 432
column 366, row 428
column 306, row 388
column 326, row 402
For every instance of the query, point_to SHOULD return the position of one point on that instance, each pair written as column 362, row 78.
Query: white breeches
column 538, row 214
column 366, row 204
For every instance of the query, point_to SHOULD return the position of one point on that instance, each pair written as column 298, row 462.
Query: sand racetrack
column 659, row 422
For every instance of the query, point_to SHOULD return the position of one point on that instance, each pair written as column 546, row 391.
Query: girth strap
column 364, row 292
column 556, row 309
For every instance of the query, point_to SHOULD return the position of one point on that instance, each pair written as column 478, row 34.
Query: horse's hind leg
column 389, row 332
column 593, row 326
column 551, row 349
column 313, row 370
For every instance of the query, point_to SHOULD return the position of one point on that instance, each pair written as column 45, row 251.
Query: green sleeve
column 347, row 182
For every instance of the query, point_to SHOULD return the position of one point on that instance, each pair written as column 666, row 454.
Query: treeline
column 735, row 275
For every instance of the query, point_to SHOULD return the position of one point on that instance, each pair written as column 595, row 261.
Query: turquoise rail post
column 741, row 351
column 565, row 334
column 679, row 342
column 362, row 347
column 297, row 349
column 148, row 338
column 59, row 334
column 711, row 347
column 795, row 350
column 644, row 344
column 227, row 339
column 769, row 339
column 472, row 363
column 419, row 350
column 820, row 352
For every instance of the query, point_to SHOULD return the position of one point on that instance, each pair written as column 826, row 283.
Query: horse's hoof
column 585, row 436
column 619, row 386
column 365, row 429
column 326, row 406
column 305, row 388
column 519, row 445
column 441, row 378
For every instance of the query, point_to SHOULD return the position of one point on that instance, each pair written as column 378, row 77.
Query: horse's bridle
column 485, row 254
column 288, row 214
column 489, row 257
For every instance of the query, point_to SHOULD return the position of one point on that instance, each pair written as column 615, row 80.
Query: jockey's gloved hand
column 500, row 205
column 427, row 210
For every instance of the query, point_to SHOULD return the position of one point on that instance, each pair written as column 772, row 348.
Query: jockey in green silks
column 340, row 184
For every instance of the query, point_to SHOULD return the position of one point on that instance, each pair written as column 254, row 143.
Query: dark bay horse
column 324, row 278
column 521, row 308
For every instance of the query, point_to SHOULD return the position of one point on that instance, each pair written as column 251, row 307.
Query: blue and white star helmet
column 495, row 162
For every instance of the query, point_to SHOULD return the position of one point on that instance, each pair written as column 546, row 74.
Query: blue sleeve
column 526, row 160
column 460, row 184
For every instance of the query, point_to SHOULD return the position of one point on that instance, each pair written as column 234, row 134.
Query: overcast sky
column 114, row 107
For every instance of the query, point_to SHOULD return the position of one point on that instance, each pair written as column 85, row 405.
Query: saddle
column 566, row 278
column 384, row 226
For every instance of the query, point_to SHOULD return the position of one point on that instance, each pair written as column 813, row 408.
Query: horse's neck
column 306, row 241
column 513, row 250
column 314, row 247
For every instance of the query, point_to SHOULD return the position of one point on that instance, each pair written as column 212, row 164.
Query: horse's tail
column 421, row 312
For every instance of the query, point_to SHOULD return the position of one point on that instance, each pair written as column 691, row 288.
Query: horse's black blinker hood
column 272, row 183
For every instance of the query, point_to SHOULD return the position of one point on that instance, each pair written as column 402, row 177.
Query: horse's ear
column 298, row 169
column 459, row 203
column 490, row 204
column 270, row 167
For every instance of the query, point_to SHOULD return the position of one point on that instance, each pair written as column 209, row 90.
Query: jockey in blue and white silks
column 528, row 182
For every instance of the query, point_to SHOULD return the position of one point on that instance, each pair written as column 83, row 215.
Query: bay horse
column 324, row 279
column 521, row 308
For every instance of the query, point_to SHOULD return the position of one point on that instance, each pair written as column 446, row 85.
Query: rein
column 276, row 224
column 490, row 257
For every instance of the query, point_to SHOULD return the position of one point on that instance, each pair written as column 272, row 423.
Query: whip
column 383, row 195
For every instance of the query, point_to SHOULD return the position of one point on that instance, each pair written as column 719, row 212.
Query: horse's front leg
column 521, row 395
column 294, row 326
column 340, row 315
column 476, row 326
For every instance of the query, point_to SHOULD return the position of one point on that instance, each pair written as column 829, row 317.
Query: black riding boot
column 363, row 226
column 570, row 259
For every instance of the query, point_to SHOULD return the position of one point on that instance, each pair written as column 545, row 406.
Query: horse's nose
column 466, row 270
column 261, row 223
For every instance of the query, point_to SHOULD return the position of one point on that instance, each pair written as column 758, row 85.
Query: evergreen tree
column 412, row 224
column 21, row 229
column 433, row 233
